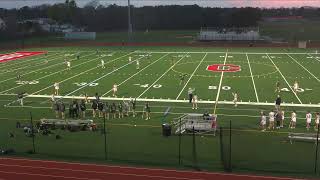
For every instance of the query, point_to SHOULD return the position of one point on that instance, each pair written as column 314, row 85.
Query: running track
column 27, row 169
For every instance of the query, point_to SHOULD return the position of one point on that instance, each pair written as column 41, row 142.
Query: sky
column 205, row 3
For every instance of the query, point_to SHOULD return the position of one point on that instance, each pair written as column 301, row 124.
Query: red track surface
column 25, row 169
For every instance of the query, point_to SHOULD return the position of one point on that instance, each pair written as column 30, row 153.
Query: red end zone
column 18, row 55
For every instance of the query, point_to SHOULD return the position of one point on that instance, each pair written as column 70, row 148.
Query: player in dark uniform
column 120, row 108
column 83, row 108
column 172, row 60
column 18, row 76
column 147, row 111
column 20, row 98
column 94, row 107
column 113, row 110
column 277, row 87
column 100, row 108
column 106, row 110
column 182, row 78
column 62, row 109
column 133, row 102
column 78, row 56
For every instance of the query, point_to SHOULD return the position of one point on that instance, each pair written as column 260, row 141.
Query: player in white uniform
column 68, row 65
column 56, row 88
column 235, row 99
column 282, row 119
column 263, row 121
column 138, row 64
column 293, row 121
column 130, row 58
column 271, row 120
column 114, row 90
column 195, row 101
column 316, row 122
column 295, row 86
column 308, row 118
column 102, row 64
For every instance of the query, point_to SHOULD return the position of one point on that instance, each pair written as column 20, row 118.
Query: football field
column 163, row 78
column 213, row 75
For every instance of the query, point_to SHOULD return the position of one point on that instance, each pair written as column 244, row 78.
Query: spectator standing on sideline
column 278, row 103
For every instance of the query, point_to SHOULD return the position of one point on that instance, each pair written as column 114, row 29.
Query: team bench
column 302, row 137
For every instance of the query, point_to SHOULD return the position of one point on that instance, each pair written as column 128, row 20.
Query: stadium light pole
column 129, row 21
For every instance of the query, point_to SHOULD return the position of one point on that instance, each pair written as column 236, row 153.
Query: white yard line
column 161, row 76
column 178, row 101
column 191, row 76
column 23, row 67
column 220, row 83
column 284, row 78
column 82, row 72
column 49, row 75
column 135, row 74
column 40, row 69
column 254, row 85
column 103, row 76
column 304, row 68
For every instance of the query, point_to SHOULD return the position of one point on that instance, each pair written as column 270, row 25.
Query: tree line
column 100, row 18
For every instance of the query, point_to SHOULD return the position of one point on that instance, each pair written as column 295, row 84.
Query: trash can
column 166, row 130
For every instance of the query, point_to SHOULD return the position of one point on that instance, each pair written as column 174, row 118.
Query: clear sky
column 210, row 3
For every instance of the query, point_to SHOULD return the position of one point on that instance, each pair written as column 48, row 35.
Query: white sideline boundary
column 195, row 70
column 254, row 84
column 177, row 101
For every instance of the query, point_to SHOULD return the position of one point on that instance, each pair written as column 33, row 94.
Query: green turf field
column 137, row 141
